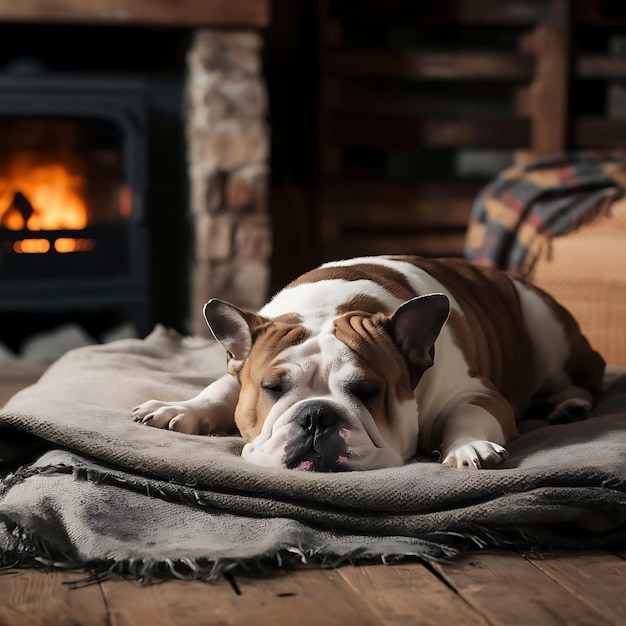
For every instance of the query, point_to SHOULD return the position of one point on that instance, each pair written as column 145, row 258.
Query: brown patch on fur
column 491, row 332
column 288, row 318
column 377, row 354
column 254, row 404
column 394, row 282
column 362, row 302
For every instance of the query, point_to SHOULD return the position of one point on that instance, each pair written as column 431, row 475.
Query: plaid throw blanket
column 90, row 489
column 514, row 218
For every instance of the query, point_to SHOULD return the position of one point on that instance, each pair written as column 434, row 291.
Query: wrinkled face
column 340, row 400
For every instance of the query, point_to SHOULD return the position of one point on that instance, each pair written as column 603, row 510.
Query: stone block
column 227, row 52
column 253, row 239
column 217, row 97
column 205, row 104
column 247, row 187
column 229, row 145
column 205, row 189
column 245, row 96
column 214, row 237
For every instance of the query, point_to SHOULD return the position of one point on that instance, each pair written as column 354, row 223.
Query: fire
column 31, row 246
column 69, row 244
column 42, row 195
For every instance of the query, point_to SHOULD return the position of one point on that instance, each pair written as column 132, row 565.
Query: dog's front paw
column 474, row 455
column 178, row 416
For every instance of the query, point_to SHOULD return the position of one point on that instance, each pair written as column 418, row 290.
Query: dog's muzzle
column 319, row 444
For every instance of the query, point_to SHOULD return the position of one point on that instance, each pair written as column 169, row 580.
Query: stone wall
column 227, row 139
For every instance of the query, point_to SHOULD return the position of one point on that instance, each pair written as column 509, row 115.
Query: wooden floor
column 489, row 587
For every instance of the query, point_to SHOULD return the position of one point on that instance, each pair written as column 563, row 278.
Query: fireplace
column 73, row 167
column 174, row 154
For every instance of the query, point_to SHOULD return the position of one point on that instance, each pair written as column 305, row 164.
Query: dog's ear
column 415, row 326
column 232, row 327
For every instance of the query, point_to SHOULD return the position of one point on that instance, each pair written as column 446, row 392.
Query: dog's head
column 339, row 399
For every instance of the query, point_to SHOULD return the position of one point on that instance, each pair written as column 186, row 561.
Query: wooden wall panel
column 252, row 13
column 410, row 99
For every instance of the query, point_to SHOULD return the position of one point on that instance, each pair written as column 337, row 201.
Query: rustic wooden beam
column 329, row 160
column 424, row 243
column 601, row 66
column 549, row 90
column 407, row 131
column 594, row 13
column 387, row 63
column 410, row 97
column 191, row 13
column 377, row 204
column 598, row 132
column 442, row 11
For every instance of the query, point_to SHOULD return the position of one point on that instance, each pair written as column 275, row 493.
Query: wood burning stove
column 73, row 168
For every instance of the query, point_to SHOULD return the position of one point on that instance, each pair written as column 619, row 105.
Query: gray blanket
column 90, row 489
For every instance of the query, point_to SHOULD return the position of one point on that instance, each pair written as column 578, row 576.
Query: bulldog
column 359, row 364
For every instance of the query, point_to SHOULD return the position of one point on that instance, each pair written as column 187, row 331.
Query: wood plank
column 193, row 13
column 397, row 63
column 399, row 204
column 20, row 372
column 35, row 598
column 329, row 29
column 409, row 594
column 598, row 132
column 306, row 597
column 8, row 390
column 14, row 378
column 328, row 160
column 417, row 214
column 595, row 578
column 362, row 130
column 600, row 66
column 594, row 13
column 549, row 90
column 507, row 589
column 410, row 97
column 442, row 11
column 425, row 243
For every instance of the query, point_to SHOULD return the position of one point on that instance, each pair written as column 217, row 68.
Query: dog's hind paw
column 474, row 455
column 570, row 410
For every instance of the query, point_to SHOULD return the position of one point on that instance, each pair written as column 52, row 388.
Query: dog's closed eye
column 364, row 391
column 274, row 388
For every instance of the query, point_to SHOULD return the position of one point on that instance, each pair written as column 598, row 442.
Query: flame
column 31, row 246
column 52, row 188
column 69, row 244
column 62, row 245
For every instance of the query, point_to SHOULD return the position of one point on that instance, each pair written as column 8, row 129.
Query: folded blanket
column 516, row 215
column 92, row 490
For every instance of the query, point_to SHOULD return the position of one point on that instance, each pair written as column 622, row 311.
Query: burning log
column 21, row 205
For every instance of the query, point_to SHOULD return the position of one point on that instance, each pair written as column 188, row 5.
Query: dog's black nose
column 317, row 417
column 318, row 446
